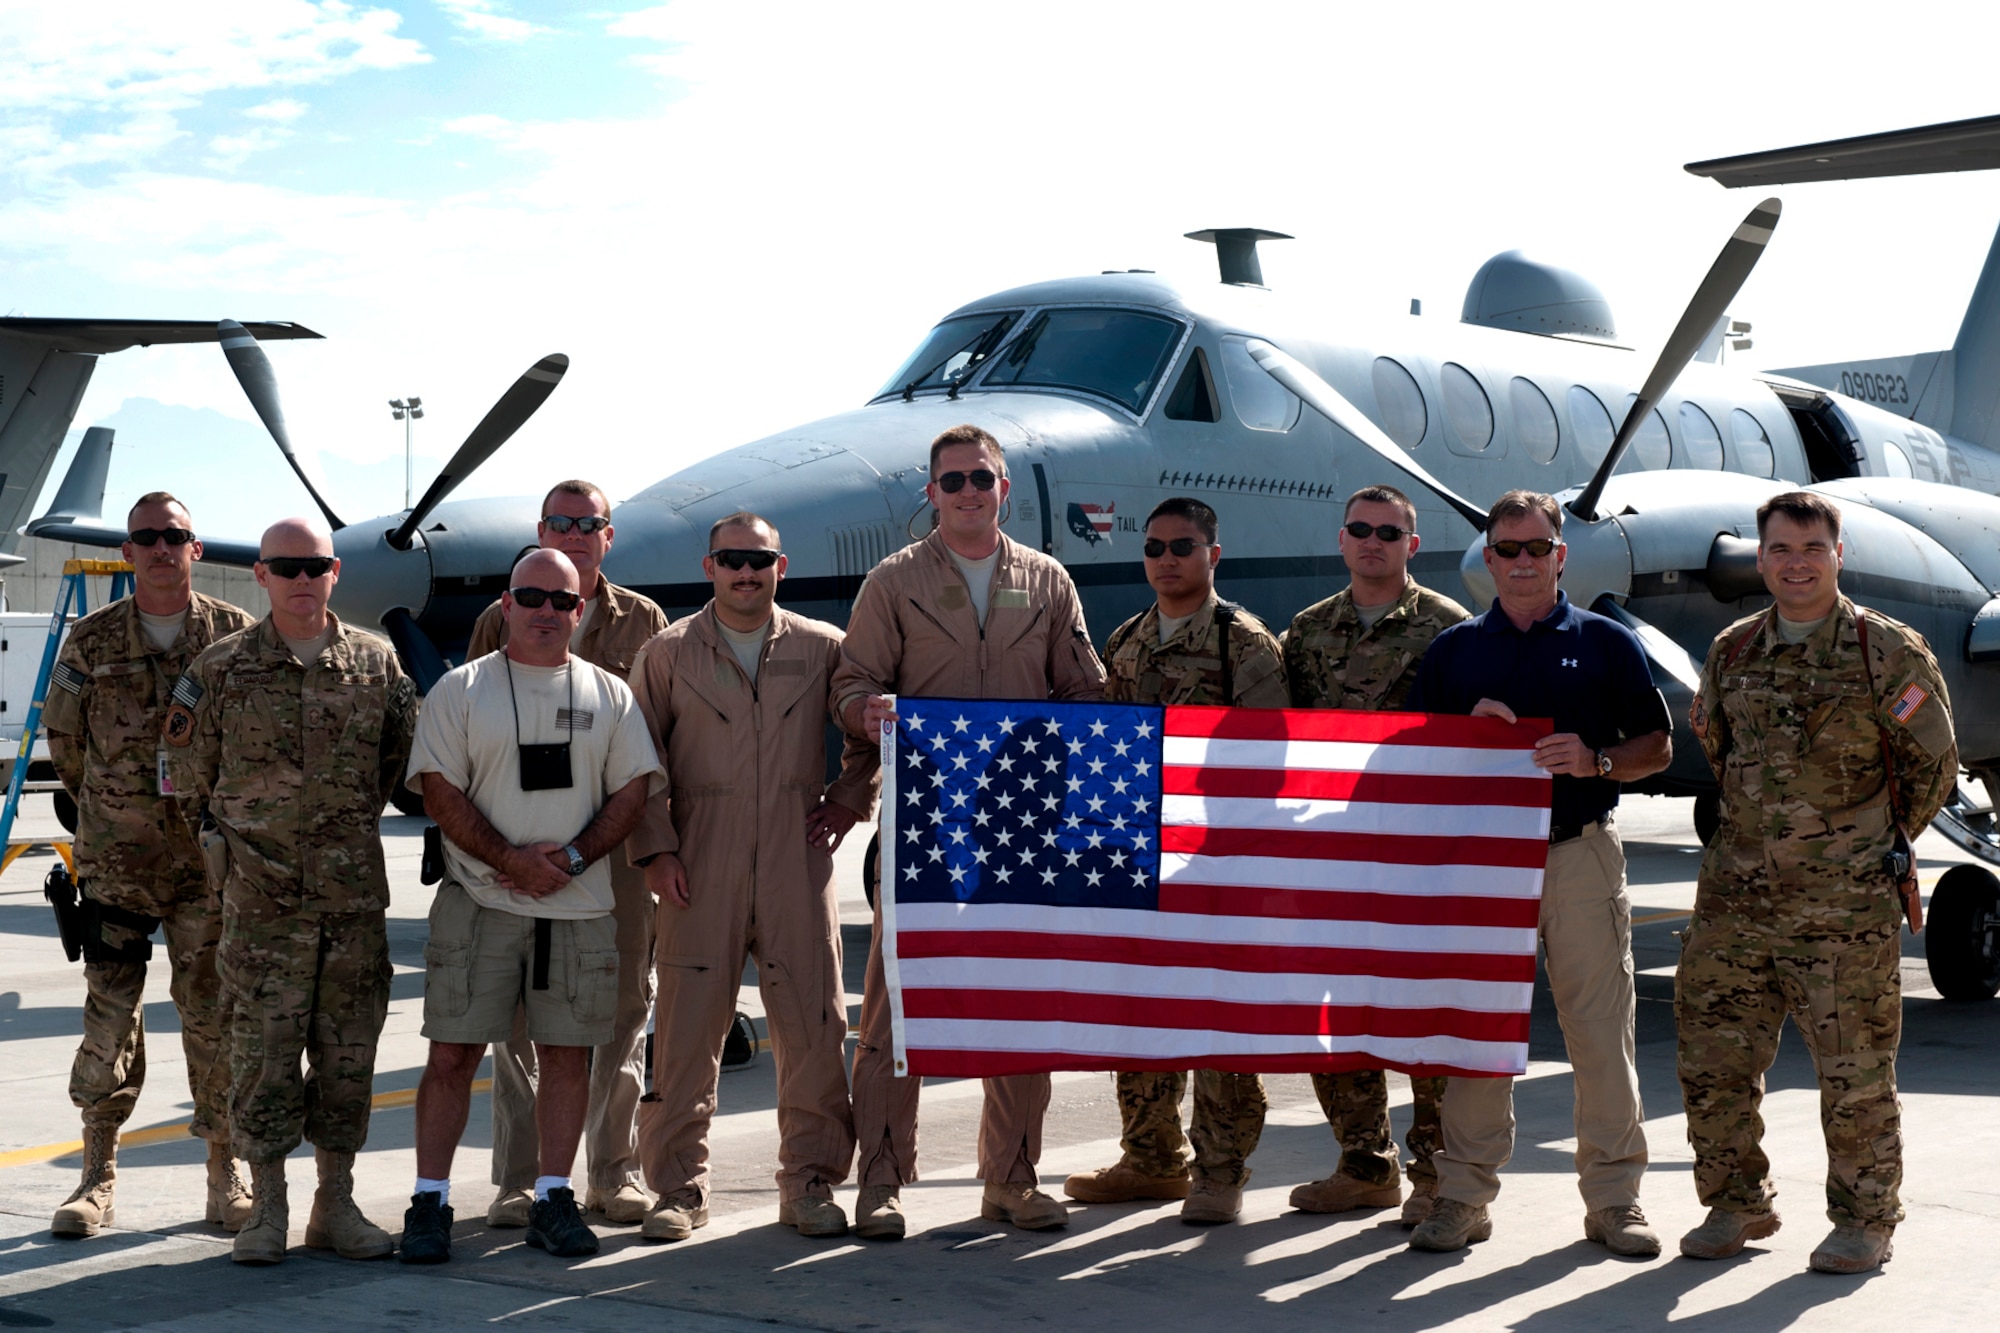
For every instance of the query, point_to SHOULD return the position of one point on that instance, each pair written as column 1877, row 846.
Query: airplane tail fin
column 1975, row 360
column 40, row 388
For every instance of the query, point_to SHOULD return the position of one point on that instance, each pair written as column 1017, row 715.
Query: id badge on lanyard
column 166, row 779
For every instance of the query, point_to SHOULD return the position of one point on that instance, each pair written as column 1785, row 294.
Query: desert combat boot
column 262, row 1239
column 88, row 1211
column 336, row 1223
column 228, row 1195
column 1854, row 1248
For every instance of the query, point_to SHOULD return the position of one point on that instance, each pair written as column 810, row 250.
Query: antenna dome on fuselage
column 1512, row 291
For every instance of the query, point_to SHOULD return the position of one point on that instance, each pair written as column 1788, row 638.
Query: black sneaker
column 426, row 1230
column 555, row 1225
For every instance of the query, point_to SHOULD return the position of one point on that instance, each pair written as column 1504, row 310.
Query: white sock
column 543, row 1184
column 441, row 1188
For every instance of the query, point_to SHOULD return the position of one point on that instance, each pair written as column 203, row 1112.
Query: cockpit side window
column 1193, row 398
column 952, row 352
column 1119, row 354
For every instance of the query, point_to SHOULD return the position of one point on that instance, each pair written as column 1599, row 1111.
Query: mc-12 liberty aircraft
column 1112, row 392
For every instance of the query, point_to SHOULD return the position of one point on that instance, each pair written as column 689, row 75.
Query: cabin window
column 1701, row 442
column 1652, row 449
column 1193, row 398
column 1534, row 420
column 1261, row 402
column 1119, row 354
column 1753, row 444
column 1399, row 404
column 1590, row 424
column 1468, row 415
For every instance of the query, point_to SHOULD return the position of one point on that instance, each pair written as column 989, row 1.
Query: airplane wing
column 1959, row 145
column 115, row 335
column 214, row 550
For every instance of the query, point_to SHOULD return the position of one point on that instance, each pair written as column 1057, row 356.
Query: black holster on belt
column 432, row 869
column 81, row 920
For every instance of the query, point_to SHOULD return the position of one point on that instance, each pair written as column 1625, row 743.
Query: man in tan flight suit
column 576, row 520
column 136, row 858
column 965, row 613
column 1360, row 649
column 739, row 850
column 1189, row 647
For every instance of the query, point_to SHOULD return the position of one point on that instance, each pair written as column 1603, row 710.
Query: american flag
column 1116, row 886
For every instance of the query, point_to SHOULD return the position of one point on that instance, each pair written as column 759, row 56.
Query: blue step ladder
column 76, row 593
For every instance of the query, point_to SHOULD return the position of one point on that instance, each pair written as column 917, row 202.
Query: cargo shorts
column 479, row 968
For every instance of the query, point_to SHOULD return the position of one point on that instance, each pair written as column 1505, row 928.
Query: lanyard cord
column 569, row 680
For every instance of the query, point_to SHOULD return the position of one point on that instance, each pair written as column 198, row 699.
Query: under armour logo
column 1569, row 661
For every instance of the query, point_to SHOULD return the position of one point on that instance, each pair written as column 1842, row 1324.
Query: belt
column 1569, row 832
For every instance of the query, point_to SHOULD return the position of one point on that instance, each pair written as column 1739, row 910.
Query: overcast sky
column 738, row 217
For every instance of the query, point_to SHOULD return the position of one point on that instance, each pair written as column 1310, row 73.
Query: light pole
column 407, row 412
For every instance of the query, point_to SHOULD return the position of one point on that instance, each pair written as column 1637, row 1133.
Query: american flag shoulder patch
column 1908, row 702
column 188, row 691
column 67, row 677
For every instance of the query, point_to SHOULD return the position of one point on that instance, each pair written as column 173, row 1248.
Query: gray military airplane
column 1111, row 392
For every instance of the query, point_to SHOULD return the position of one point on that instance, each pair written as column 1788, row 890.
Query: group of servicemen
column 626, row 810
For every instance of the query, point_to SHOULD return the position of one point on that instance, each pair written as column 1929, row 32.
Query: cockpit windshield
column 1120, row 354
column 953, row 351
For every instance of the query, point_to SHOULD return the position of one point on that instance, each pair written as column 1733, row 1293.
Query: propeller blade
column 502, row 420
column 260, row 385
column 1726, row 276
column 421, row 657
column 1326, row 400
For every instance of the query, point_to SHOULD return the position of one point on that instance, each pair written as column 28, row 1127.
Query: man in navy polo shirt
column 1532, row 654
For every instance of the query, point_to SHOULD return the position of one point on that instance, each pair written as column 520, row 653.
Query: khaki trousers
column 885, row 1107
column 617, row 1068
column 110, row 1064
column 1586, row 930
column 794, row 934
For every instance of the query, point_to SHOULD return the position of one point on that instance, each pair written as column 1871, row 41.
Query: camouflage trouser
column 1737, row 980
column 302, row 984
column 1228, row 1120
column 1357, row 1109
column 110, row 1065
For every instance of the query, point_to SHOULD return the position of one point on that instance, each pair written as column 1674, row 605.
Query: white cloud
column 283, row 110
column 486, row 19
column 227, row 152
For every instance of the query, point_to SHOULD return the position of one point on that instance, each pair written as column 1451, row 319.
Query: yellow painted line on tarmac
column 140, row 1138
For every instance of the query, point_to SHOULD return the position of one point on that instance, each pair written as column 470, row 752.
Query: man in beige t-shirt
column 535, row 765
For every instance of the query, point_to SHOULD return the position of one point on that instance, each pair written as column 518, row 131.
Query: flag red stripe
column 1254, row 958
column 998, row 1064
column 1337, row 785
column 1192, row 1015
column 1389, row 848
column 1334, row 724
column 1396, row 909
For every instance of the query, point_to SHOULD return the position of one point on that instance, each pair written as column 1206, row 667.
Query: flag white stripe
column 1310, row 816
column 1128, row 923
column 1094, row 1040
column 1208, row 983
column 1349, row 757
column 1259, row 872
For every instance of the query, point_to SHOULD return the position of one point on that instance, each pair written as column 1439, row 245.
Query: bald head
column 547, row 569
column 539, row 635
column 295, row 536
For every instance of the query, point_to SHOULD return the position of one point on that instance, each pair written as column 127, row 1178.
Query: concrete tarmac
column 1128, row 1266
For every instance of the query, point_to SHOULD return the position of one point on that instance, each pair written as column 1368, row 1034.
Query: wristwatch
column 1603, row 764
column 577, row 865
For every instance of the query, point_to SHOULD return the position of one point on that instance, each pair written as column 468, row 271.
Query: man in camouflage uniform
column 1829, row 730
column 294, row 732
column 136, row 856
column 1359, row 649
column 1172, row 653
column 616, row 624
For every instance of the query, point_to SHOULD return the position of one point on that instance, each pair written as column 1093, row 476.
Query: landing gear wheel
column 1707, row 816
column 871, row 867
column 1962, row 934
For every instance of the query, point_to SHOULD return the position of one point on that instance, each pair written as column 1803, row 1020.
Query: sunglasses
column 291, row 566
column 1388, row 532
column 148, row 536
column 533, row 598
column 1537, row 548
column 1180, row 546
column 951, row 483
column 562, row 523
column 736, row 559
